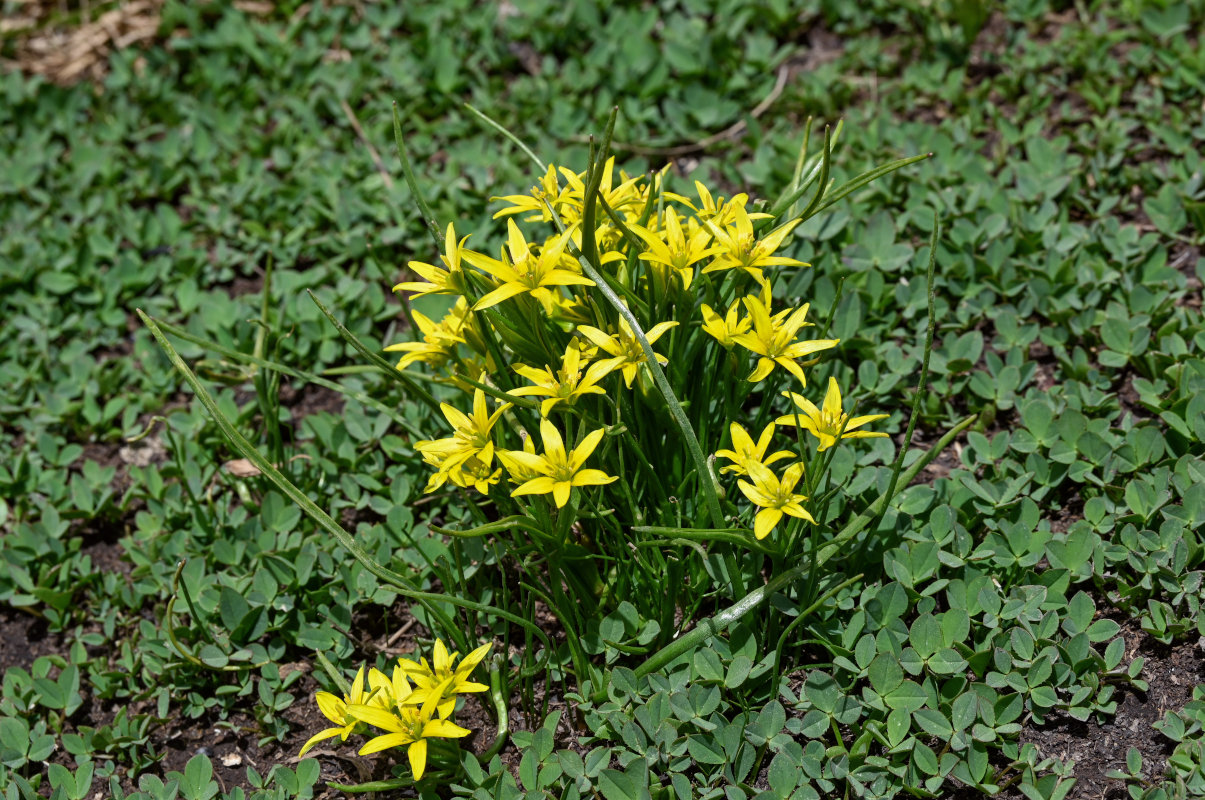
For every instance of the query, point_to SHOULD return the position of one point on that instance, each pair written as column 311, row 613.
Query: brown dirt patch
column 940, row 467
column 23, row 638
column 70, row 42
column 311, row 399
column 1096, row 748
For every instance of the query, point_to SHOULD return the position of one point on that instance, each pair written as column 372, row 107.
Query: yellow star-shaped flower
column 774, row 497
column 627, row 354
column 773, row 338
column 745, row 451
column 830, row 421
column 558, row 470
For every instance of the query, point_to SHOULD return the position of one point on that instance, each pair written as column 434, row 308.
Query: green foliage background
column 1068, row 175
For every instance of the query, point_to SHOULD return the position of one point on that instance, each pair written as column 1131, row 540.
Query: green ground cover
column 1028, row 613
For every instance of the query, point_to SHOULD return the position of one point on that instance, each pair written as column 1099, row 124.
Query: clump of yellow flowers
column 536, row 346
column 412, row 705
column 583, row 371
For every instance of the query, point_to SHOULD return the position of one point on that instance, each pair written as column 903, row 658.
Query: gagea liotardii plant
column 409, row 707
column 621, row 332
column 626, row 405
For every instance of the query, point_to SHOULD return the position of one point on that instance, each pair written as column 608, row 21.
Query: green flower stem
column 408, row 173
column 832, row 312
column 709, row 627
column 594, row 181
column 197, row 618
column 707, row 480
column 498, row 696
column 801, row 160
column 498, row 526
column 712, row 626
column 521, row 402
column 512, row 137
column 491, row 344
column 324, row 520
column 735, row 577
column 764, row 415
column 866, row 178
column 581, row 664
column 742, row 537
column 185, row 653
column 333, row 673
column 383, row 786
column 822, row 184
column 807, row 612
column 828, row 199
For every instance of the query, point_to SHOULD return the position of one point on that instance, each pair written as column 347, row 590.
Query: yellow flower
column 774, row 497
column 477, row 474
column 409, row 727
column 746, row 451
column 619, row 198
column 559, row 470
column 672, row 250
column 437, row 347
column 516, row 471
column 627, row 355
column 566, row 384
column 467, row 326
column 544, row 194
column 525, row 272
column 725, row 328
column 441, row 680
column 739, row 249
column 336, row 710
column 390, row 692
column 831, row 421
column 717, row 211
column 773, row 338
column 627, row 200
column 471, row 438
column 440, row 281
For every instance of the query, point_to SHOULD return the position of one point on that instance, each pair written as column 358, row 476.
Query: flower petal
column 332, row 707
column 357, row 686
column 541, row 485
column 592, row 477
column 377, row 717
column 329, row 733
column 764, row 367
column 585, row 447
column 444, row 729
column 832, row 399
column 418, row 758
column 554, row 445
column 858, row 422
column 796, row 510
column 440, row 659
column 465, row 687
column 765, row 521
column 469, row 662
column 385, row 742
column 503, row 292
